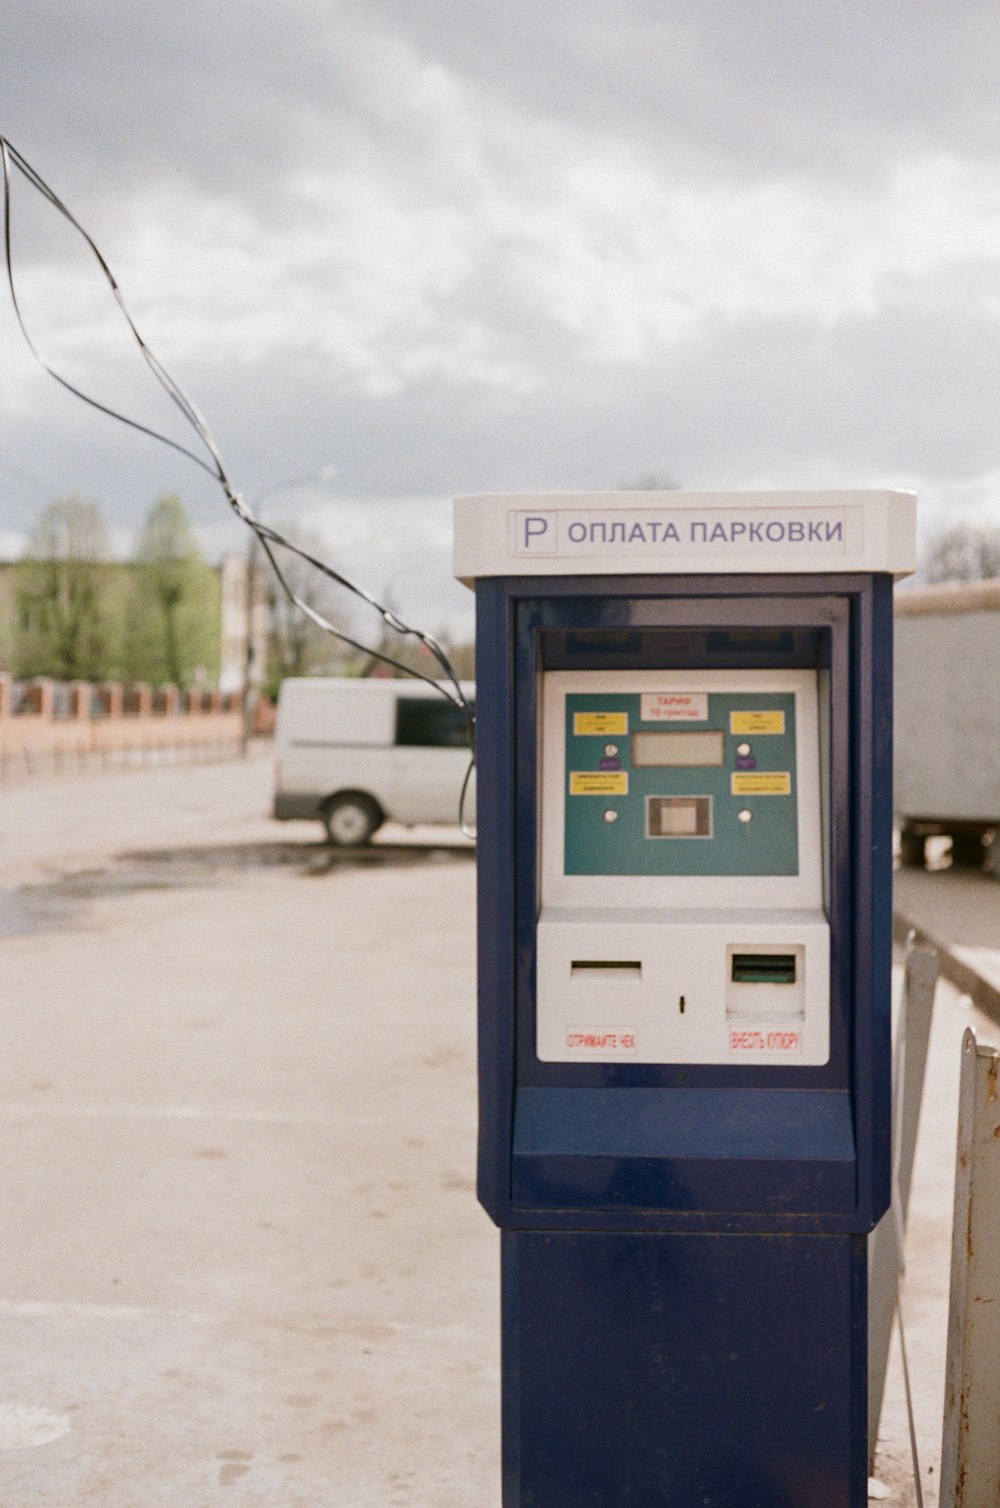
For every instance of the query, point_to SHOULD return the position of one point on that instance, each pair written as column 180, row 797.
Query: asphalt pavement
column 243, row 1262
column 957, row 911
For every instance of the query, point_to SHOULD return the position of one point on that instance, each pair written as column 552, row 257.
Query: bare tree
column 63, row 629
column 296, row 645
column 962, row 553
column 651, row 481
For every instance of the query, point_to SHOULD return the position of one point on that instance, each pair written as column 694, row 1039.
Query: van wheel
column 350, row 820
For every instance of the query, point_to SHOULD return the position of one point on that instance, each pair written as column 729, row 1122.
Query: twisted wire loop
column 212, row 462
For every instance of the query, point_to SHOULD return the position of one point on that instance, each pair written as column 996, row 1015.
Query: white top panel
column 683, row 533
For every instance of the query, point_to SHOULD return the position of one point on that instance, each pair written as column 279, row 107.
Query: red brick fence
column 53, row 725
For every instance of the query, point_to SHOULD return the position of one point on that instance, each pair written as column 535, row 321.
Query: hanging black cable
column 449, row 686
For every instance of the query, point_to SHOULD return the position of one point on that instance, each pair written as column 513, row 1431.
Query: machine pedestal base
column 695, row 1371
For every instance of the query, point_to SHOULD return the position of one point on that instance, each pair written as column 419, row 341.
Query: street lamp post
column 323, row 474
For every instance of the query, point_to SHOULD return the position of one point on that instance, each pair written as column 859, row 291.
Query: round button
column 746, row 815
column 743, row 749
column 611, row 815
column 611, row 750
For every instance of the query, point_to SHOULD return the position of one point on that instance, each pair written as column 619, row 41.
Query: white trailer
column 947, row 720
column 357, row 753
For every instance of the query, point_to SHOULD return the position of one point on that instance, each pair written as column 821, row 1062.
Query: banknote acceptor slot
column 763, row 968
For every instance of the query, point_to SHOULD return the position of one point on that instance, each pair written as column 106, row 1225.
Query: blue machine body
column 684, row 1244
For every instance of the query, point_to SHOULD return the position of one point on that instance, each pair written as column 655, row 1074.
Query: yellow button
column 598, row 783
column 600, row 722
column 761, row 783
column 756, row 722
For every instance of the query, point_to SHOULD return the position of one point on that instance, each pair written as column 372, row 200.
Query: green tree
column 63, row 627
column 173, row 633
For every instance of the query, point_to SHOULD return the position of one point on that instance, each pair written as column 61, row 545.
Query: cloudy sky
column 448, row 246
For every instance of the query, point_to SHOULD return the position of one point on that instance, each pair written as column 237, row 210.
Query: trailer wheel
column 912, row 854
column 351, row 819
column 991, row 849
column 967, row 850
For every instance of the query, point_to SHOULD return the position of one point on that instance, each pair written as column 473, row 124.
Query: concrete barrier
column 49, row 725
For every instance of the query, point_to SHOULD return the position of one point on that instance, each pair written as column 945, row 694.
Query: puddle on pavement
column 309, row 858
column 59, row 904
column 34, row 909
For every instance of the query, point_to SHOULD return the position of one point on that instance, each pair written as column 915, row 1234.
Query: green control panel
column 681, row 783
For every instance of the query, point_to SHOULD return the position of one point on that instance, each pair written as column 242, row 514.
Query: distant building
column 244, row 623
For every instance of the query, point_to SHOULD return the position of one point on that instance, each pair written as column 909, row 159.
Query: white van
column 357, row 753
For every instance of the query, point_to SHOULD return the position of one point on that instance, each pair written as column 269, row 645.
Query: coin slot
column 605, row 968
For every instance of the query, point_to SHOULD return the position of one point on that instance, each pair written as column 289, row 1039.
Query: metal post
column 885, row 1244
column 970, row 1452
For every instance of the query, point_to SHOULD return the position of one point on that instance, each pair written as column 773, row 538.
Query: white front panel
column 682, row 869
column 736, row 989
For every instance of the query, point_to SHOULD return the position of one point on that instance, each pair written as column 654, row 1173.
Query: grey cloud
column 230, row 100
column 159, row 89
column 902, row 390
column 909, row 388
column 737, row 88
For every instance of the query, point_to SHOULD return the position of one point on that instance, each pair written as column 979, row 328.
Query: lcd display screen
column 672, row 749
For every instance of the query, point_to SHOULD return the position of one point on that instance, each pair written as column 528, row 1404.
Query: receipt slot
column 684, row 710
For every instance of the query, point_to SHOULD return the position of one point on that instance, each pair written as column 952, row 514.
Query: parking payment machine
column 684, row 711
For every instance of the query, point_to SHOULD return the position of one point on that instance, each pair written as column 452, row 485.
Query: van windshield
column 431, row 722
